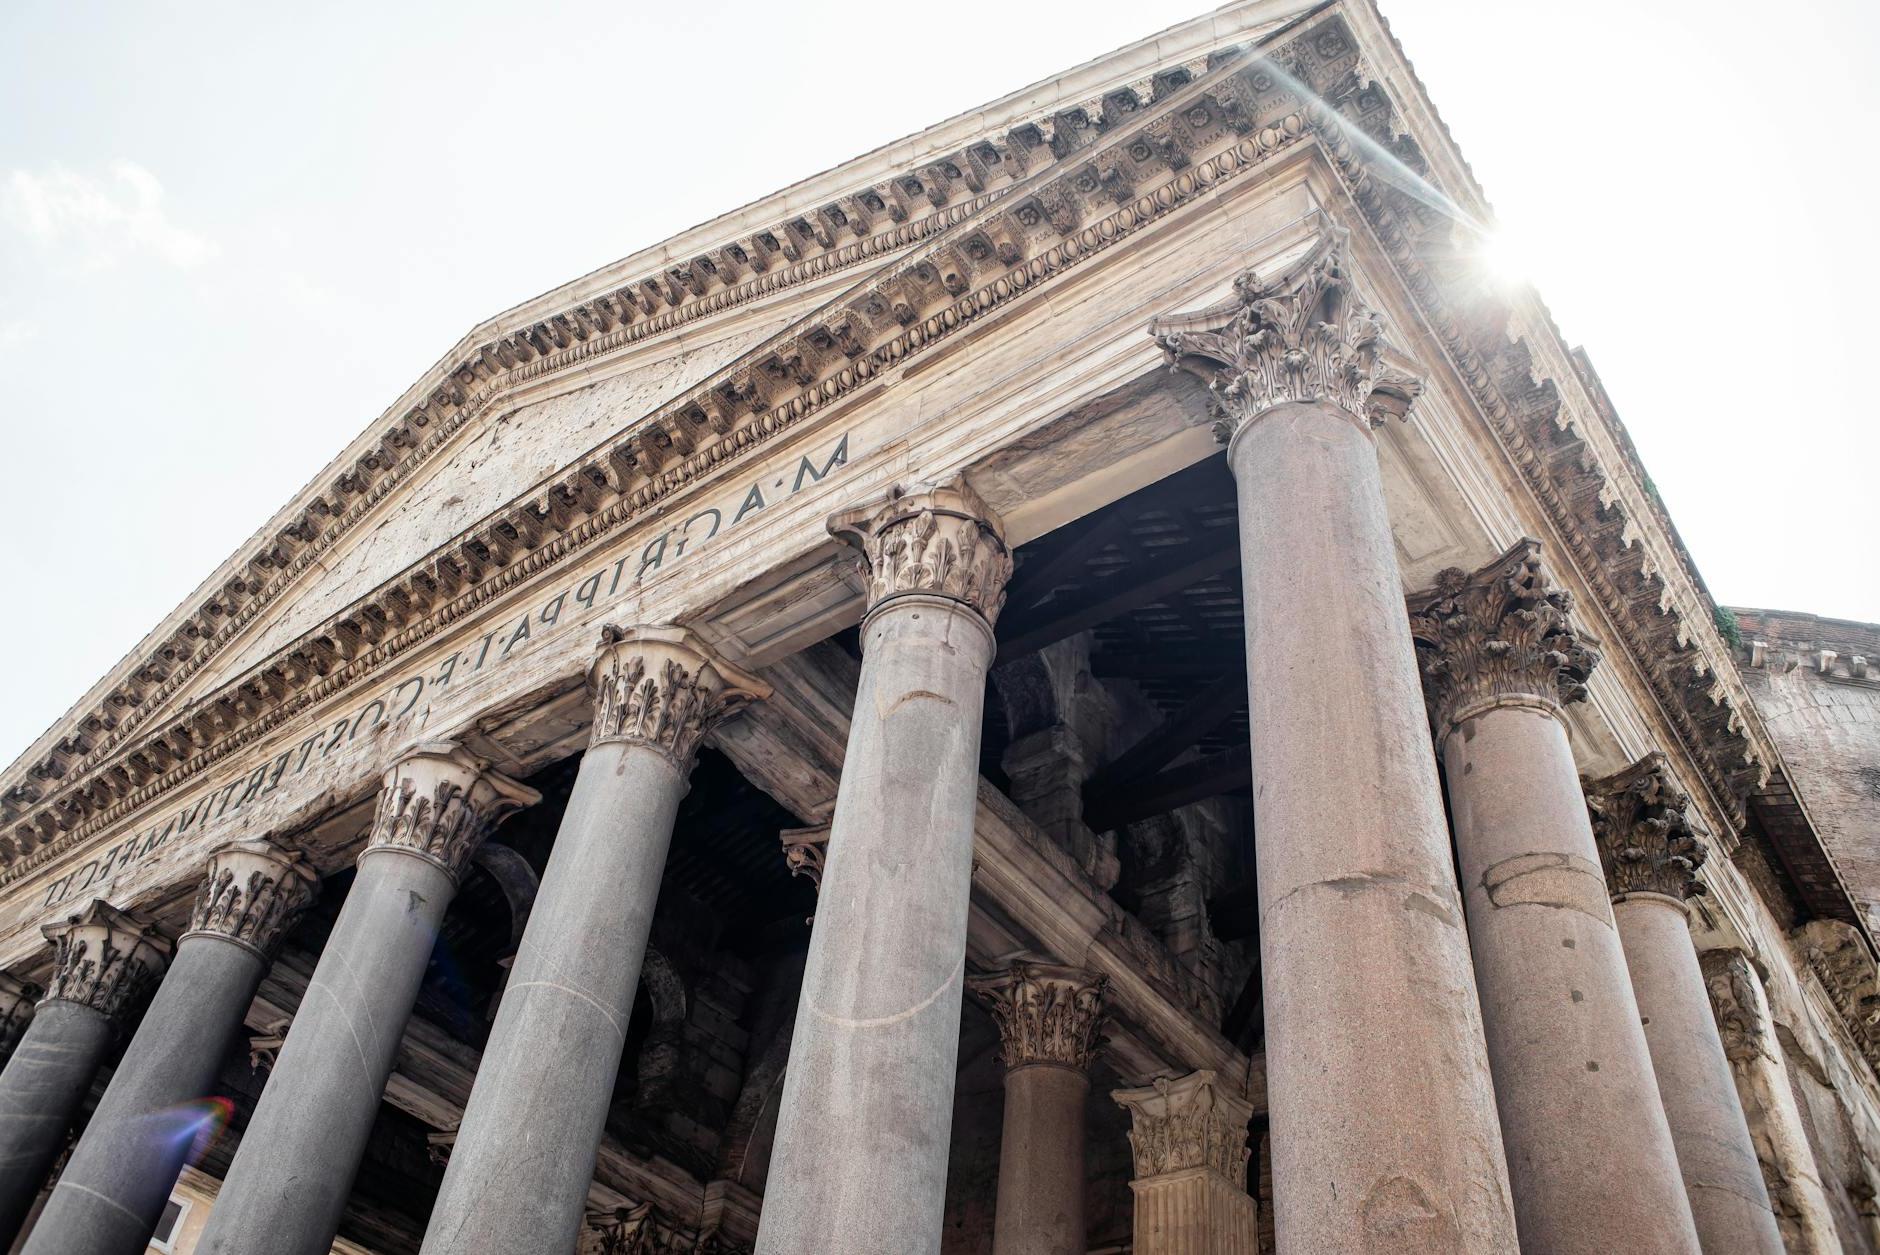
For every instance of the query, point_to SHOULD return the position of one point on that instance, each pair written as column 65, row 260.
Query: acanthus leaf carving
column 1496, row 635
column 252, row 893
column 439, row 801
column 1185, row 1123
column 1046, row 1013
column 1299, row 336
column 1646, row 843
column 941, row 541
column 661, row 688
column 105, row 959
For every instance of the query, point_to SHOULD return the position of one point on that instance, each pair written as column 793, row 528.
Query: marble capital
column 105, row 959
column 941, row 541
column 16, row 1011
column 1296, row 335
column 1187, row 1123
column 1047, row 1014
column 439, row 801
column 252, row 893
column 1646, row 844
column 1499, row 635
column 661, row 688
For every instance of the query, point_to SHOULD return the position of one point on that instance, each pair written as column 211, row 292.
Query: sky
column 232, row 234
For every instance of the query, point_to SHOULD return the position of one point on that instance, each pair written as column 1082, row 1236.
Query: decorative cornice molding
column 17, row 998
column 939, row 541
column 1046, row 1013
column 1498, row 635
column 1186, row 1123
column 1057, row 218
column 439, row 801
column 1646, row 844
column 662, row 689
column 105, row 959
column 1298, row 336
column 253, row 893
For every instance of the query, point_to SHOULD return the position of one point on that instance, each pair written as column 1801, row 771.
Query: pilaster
column 1189, row 1141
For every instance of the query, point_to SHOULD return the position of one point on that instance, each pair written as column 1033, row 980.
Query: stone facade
column 577, row 819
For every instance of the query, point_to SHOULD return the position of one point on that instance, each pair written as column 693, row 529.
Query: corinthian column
column 519, row 1173
column 861, row 1151
column 1384, row 1131
column 1048, row 1018
column 112, row 1192
column 1774, row 1121
column 1589, row 1153
column 288, row 1184
column 1189, row 1137
column 16, row 1012
column 105, row 964
column 1651, row 858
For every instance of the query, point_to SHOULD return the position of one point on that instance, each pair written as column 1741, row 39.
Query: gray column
column 105, row 964
column 1384, row 1132
column 17, row 998
column 288, row 1185
column 1590, row 1156
column 1651, row 858
column 112, row 1192
column 1780, row 1139
column 1048, row 1018
column 1189, row 1142
column 861, row 1152
column 524, row 1157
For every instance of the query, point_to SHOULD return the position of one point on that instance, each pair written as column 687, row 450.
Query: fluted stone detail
column 661, row 688
column 1646, row 843
column 941, row 541
column 1499, row 635
column 439, row 801
column 1300, row 335
column 252, row 893
column 105, row 959
column 1047, row 1014
column 16, row 1011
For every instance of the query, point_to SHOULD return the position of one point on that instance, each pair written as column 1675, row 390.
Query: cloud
column 98, row 221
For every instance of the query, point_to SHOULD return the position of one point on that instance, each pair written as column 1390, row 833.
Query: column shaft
column 1383, row 1116
column 861, row 1152
column 1041, row 1163
column 40, row 1092
column 1590, row 1156
column 1721, row 1175
column 288, row 1185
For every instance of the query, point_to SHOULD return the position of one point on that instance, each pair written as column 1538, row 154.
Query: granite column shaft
column 112, row 1192
column 862, row 1135
column 524, row 1157
column 288, row 1184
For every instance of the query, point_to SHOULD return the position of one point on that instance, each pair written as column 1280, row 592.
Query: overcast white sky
column 231, row 234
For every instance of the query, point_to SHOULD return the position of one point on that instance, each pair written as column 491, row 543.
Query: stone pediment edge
column 690, row 277
column 1064, row 213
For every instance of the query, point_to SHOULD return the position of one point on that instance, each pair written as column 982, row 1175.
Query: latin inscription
column 595, row 587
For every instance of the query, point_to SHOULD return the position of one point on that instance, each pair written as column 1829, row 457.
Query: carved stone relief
column 1645, row 841
column 660, row 688
column 105, row 959
column 1046, row 1013
column 253, row 893
column 939, row 541
column 440, row 801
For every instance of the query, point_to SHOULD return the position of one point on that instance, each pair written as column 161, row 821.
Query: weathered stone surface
column 1190, row 1144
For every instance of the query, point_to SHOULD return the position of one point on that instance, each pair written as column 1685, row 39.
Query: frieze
column 729, row 513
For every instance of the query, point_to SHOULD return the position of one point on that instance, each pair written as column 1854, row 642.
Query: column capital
column 1186, row 1123
column 252, row 893
column 662, row 688
column 1646, row 843
column 16, row 1010
column 105, row 959
column 439, row 801
column 1047, row 1014
column 1496, row 636
column 1295, row 335
column 804, row 850
column 936, row 540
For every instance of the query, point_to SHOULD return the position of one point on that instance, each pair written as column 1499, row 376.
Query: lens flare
column 188, row 1130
